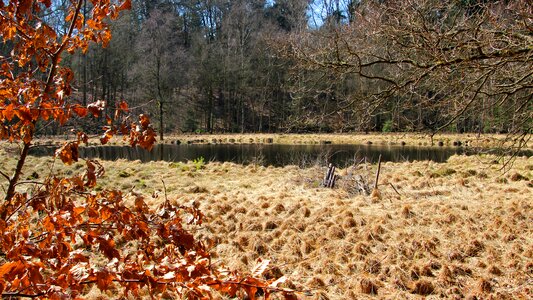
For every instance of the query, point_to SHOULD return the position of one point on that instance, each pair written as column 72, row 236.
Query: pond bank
column 408, row 139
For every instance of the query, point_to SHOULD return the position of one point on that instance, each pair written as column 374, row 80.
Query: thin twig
column 5, row 175
column 30, row 182
column 164, row 190
column 22, row 295
column 394, row 188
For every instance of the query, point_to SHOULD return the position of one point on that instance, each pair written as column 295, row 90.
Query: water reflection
column 266, row 154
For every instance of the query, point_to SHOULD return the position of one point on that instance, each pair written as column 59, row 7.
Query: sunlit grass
column 450, row 229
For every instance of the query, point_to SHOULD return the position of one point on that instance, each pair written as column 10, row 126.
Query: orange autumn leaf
column 93, row 171
column 123, row 106
column 80, row 111
column 108, row 134
column 68, row 153
column 8, row 112
column 104, row 278
column 144, row 120
column 147, row 139
column 94, row 24
column 11, row 268
column 83, row 137
column 24, row 114
column 96, row 108
column 26, row 132
column 126, row 5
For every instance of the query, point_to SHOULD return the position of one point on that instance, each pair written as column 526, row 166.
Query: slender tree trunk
column 242, row 114
column 161, row 127
column 16, row 175
column 209, row 124
column 84, row 60
column 160, row 96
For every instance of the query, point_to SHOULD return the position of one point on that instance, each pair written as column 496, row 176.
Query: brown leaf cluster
column 62, row 238
column 26, row 96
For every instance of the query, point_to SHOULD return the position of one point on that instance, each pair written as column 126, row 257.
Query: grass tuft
column 518, row 177
column 367, row 286
column 444, row 172
column 423, row 287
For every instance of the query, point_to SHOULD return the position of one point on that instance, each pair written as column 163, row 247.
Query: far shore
column 407, row 139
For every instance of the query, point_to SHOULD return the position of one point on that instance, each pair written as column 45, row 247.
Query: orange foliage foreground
column 58, row 237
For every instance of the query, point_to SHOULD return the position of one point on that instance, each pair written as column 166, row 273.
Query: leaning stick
column 377, row 172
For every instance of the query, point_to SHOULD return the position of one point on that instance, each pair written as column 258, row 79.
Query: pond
column 267, row 154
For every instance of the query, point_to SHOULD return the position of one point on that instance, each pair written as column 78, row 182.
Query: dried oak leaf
column 83, row 137
column 10, row 269
column 107, row 246
column 104, row 279
column 8, row 112
column 96, row 107
column 108, row 134
column 123, row 105
column 125, row 5
column 91, row 174
column 80, row 110
column 147, row 139
column 144, row 121
column 68, row 153
column 260, row 267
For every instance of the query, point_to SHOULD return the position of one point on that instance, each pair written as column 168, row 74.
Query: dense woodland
column 315, row 66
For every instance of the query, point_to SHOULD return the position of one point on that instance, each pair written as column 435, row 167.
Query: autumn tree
column 59, row 236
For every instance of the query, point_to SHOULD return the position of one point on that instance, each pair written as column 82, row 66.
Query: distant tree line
column 317, row 66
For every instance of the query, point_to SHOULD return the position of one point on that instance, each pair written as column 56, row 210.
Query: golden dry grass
column 454, row 230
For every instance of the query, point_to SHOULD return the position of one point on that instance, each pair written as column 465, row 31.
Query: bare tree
column 159, row 69
column 457, row 63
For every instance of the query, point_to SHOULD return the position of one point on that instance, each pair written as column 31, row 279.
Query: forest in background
column 223, row 66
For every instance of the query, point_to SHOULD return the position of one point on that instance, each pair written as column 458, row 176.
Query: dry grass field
column 438, row 230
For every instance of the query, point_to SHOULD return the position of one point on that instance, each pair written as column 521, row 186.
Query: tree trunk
column 161, row 127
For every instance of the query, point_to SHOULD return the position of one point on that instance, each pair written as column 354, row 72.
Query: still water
column 267, row 154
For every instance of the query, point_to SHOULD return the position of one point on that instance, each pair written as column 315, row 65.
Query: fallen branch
column 394, row 188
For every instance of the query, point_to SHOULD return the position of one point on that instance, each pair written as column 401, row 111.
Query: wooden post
column 377, row 172
column 330, row 178
column 326, row 177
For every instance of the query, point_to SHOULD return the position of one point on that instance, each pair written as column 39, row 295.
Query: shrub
column 388, row 126
column 199, row 163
